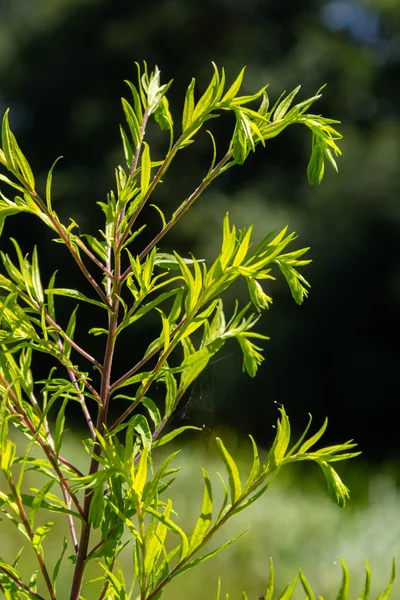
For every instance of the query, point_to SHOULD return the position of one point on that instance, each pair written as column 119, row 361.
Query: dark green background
column 62, row 66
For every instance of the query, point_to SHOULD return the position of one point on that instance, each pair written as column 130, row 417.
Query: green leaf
column 184, row 547
column 136, row 98
column 203, row 522
column 146, row 169
column 367, row 585
column 345, row 585
column 128, row 152
column 170, row 262
column 163, row 116
column 98, row 247
column 73, row 294
column 255, row 469
column 60, row 426
column 24, row 166
column 316, row 164
column 40, row 534
column 271, row 579
column 7, row 457
column 57, row 566
column 38, row 501
column 154, row 413
column 338, row 492
column 188, row 106
column 281, row 443
column 306, row 586
column 289, row 590
column 284, row 106
column 314, row 439
column 235, row 87
column 201, row 559
column 36, row 281
column 194, row 364
column 12, row 184
column 294, row 280
column 205, row 103
column 232, row 470
column 70, row 330
column 386, row 594
column 132, row 121
column 96, row 510
column 165, row 332
column 7, row 139
column 152, row 486
column 252, row 358
column 155, row 544
column 173, row 434
column 141, row 473
column 150, row 305
column 218, row 589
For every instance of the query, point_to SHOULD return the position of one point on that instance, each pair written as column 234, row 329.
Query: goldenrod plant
column 121, row 498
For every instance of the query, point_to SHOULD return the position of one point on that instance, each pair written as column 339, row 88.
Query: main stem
column 101, row 421
column 112, row 297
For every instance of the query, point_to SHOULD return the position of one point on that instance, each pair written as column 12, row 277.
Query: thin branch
column 150, row 190
column 21, row 584
column 92, row 257
column 64, row 490
column 17, row 409
column 134, row 369
column 70, row 341
column 81, row 396
column 29, row 531
column 182, row 209
column 70, row 466
column 107, row 583
column 60, row 230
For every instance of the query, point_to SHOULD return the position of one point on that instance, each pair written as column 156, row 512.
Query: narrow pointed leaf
column 367, row 584
column 204, row 520
column 284, row 106
column 386, row 594
column 345, row 585
column 146, row 169
column 73, row 294
column 188, row 106
column 7, row 143
column 306, row 586
column 235, row 87
column 232, row 470
column 202, row 559
column 271, row 580
column 184, row 548
column 314, row 439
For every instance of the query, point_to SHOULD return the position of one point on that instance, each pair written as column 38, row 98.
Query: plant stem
column 29, row 531
column 64, row 490
column 183, row 209
column 51, row 455
column 21, row 584
column 101, row 422
column 81, row 396
column 70, row 341
column 60, row 230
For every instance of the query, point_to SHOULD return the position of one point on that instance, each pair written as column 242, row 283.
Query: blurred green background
column 62, row 66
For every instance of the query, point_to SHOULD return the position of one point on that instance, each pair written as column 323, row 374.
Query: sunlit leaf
column 232, row 470
column 203, row 522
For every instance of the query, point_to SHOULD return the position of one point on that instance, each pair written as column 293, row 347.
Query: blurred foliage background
column 62, row 66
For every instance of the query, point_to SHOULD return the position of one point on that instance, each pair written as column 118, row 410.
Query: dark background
column 62, row 66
